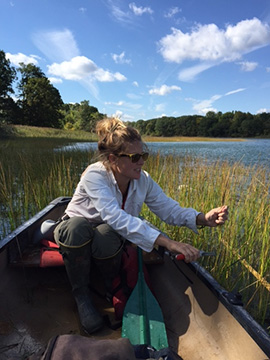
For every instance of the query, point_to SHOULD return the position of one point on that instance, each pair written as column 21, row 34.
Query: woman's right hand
column 189, row 251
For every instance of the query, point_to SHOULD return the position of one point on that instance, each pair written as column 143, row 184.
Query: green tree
column 190, row 125
column 28, row 71
column 89, row 116
column 40, row 101
column 224, row 124
column 81, row 116
column 140, row 125
column 8, row 108
column 68, row 118
column 263, row 120
column 235, row 128
column 163, row 127
column 249, row 126
column 180, row 127
column 150, row 127
column 207, row 124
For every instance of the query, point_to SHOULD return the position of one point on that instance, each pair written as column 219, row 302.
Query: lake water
column 249, row 152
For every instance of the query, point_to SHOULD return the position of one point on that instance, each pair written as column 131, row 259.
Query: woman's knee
column 74, row 232
column 106, row 242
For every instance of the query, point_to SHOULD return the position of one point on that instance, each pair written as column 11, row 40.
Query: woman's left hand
column 214, row 217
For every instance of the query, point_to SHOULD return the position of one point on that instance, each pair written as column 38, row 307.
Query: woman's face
column 123, row 168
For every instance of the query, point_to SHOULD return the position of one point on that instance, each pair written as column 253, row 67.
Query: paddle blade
column 143, row 321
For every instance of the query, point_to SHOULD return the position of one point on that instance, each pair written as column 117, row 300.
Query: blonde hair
column 114, row 136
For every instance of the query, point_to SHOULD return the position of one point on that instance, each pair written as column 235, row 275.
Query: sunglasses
column 136, row 157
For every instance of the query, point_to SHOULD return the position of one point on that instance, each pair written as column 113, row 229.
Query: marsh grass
column 32, row 174
column 50, row 133
column 242, row 246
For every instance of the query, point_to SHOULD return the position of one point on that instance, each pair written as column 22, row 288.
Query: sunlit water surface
column 249, row 152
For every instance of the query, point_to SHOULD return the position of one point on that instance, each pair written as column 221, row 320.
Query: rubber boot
column 109, row 269
column 77, row 262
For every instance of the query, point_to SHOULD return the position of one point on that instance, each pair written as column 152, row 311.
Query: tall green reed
column 33, row 173
column 242, row 245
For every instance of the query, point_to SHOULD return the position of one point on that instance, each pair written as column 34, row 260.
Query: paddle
column 143, row 319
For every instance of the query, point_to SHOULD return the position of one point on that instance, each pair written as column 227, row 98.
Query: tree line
column 230, row 124
column 38, row 103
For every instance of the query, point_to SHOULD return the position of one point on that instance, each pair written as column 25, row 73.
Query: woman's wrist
column 201, row 221
column 164, row 242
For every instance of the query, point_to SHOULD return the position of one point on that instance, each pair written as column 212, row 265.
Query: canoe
column 203, row 320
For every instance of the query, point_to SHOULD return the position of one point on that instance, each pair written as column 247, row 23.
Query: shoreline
column 188, row 139
column 25, row 131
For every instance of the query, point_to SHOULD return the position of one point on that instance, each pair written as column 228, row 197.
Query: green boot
column 77, row 262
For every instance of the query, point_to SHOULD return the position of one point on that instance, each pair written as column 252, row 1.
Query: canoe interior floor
column 37, row 304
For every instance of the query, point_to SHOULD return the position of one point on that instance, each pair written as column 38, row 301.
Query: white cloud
column 139, row 10
column 120, row 59
column 106, row 76
column 190, row 73
column 126, row 16
column 118, row 114
column 124, row 105
column 118, row 103
column 82, row 10
column 54, row 80
column 172, row 11
column 209, row 43
column 203, row 106
column 16, row 59
column 80, row 68
column 118, row 14
column 264, row 110
column 248, row 66
column 57, row 45
column 204, row 110
column 135, row 83
column 75, row 69
column 164, row 90
column 234, row 91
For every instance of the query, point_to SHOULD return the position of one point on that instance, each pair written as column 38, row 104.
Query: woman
column 104, row 210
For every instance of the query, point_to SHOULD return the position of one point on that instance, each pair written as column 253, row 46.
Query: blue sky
column 143, row 59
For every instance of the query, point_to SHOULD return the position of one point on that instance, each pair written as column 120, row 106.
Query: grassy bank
column 23, row 131
column 41, row 132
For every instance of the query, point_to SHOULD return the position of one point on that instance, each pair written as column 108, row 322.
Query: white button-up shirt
column 98, row 199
